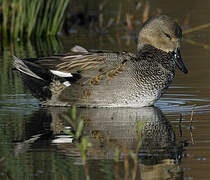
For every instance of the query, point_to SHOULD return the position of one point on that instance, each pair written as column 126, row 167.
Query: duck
column 97, row 78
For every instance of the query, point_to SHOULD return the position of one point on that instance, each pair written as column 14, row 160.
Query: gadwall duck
column 109, row 79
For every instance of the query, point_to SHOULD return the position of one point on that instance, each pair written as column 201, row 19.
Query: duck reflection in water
column 109, row 128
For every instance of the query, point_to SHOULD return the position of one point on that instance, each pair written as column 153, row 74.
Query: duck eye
column 167, row 35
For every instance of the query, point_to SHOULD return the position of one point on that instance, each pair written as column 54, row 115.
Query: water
column 32, row 138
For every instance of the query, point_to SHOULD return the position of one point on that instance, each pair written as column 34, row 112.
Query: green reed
column 129, row 156
column 10, row 82
column 26, row 18
column 77, row 125
column 13, row 131
column 4, row 5
column 82, row 142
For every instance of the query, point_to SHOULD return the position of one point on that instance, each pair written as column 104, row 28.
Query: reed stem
column 27, row 18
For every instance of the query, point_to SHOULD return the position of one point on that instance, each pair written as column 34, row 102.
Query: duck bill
column 178, row 60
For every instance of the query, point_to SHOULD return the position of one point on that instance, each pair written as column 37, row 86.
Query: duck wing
column 73, row 70
column 73, row 62
column 85, row 63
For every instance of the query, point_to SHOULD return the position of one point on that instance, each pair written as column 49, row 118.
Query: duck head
column 165, row 34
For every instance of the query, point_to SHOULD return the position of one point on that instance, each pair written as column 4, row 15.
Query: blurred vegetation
column 22, row 18
column 17, row 162
column 9, row 81
column 27, row 18
column 34, row 18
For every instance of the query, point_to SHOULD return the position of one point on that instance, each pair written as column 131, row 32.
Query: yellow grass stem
column 196, row 28
column 205, row 46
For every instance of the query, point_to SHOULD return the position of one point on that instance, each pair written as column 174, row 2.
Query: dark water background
column 28, row 149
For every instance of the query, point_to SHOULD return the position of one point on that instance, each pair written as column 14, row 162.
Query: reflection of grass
column 27, row 17
column 82, row 142
column 11, row 85
column 11, row 130
column 16, row 163
column 9, row 81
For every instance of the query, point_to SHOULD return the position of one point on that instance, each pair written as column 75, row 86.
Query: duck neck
column 150, row 53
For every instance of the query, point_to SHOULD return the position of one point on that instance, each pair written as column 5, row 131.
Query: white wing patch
column 61, row 74
column 79, row 49
column 63, row 139
column 66, row 83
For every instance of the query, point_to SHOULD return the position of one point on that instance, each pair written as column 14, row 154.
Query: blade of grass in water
column 33, row 17
column 42, row 23
column 58, row 18
column 17, row 21
column 23, row 17
column 13, row 17
column 51, row 15
column 5, row 6
column 61, row 20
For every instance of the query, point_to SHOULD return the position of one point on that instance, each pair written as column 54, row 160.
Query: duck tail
column 35, row 77
column 23, row 68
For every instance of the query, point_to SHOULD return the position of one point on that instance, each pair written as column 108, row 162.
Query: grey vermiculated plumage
column 111, row 79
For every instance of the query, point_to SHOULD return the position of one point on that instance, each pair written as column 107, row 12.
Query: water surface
column 30, row 136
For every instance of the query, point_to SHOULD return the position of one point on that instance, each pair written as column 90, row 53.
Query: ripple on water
column 181, row 99
column 18, row 103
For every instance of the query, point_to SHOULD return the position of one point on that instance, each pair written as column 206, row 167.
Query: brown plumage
column 109, row 79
